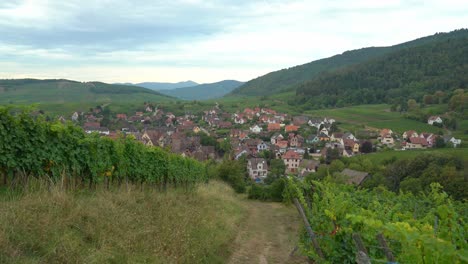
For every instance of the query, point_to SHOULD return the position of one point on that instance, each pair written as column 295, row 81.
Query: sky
column 204, row 41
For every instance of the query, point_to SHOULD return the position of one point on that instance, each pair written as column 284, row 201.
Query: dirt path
column 268, row 235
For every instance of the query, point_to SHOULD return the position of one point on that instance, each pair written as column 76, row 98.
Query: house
column 325, row 131
column 74, row 117
column 262, row 146
column 455, row 142
column 100, row 130
column 152, row 138
column 292, row 160
column 347, row 153
column 336, row 137
column 409, row 134
column 387, row 140
column 239, row 120
column 256, row 129
column 196, row 129
column 355, row 177
column 282, row 145
column 351, row 145
column 384, row 132
column 315, row 122
column 323, row 137
column 349, row 135
column 308, row 166
column 312, row 139
column 416, row 143
column 257, row 168
column 434, row 119
column 240, row 152
column 243, row 136
column 291, row 128
column 274, row 127
column 430, row 138
column 295, row 141
column 275, row 138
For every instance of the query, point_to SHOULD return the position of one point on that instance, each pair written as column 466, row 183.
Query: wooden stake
column 362, row 256
column 308, row 228
column 387, row 251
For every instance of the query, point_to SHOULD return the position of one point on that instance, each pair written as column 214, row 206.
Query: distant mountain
column 288, row 79
column 164, row 86
column 410, row 73
column 27, row 91
column 204, row 91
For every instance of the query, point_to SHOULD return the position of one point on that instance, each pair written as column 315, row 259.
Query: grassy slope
column 119, row 226
column 64, row 91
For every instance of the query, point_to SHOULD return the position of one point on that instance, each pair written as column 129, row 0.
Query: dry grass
column 120, row 226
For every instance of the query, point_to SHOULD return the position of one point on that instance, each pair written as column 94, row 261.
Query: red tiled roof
column 291, row 154
column 274, row 126
column 418, row 140
column 291, row 128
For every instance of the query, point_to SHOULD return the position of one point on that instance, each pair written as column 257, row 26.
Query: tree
column 428, row 99
column 412, row 105
column 439, row 142
column 366, row 147
column 277, row 167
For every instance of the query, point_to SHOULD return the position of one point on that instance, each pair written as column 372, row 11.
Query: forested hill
column 27, row 91
column 407, row 73
column 204, row 91
column 287, row 79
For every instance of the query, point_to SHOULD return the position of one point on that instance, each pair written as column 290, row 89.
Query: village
column 258, row 135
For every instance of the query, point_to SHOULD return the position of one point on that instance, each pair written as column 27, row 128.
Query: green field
column 378, row 157
column 373, row 116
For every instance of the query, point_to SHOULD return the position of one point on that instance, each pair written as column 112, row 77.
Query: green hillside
column 400, row 75
column 204, row 91
column 287, row 79
column 27, row 91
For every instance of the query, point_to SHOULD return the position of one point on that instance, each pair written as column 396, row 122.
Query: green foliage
column 407, row 222
column 289, row 79
column 271, row 192
column 31, row 147
column 233, row 172
column 395, row 77
column 418, row 173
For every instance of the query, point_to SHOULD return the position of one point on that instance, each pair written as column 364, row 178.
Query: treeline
column 30, row 148
column 407, row 73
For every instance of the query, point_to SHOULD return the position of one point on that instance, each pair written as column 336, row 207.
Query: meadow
column 119, row 226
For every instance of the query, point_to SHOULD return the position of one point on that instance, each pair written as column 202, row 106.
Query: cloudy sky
column 204, row 41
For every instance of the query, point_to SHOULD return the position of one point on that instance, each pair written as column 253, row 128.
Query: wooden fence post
column 387, row 251
column 362, row 256
column 308, row 228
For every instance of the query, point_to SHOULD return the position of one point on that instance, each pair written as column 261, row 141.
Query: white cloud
column 205, row 41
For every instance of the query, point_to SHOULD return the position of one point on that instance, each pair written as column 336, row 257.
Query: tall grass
column 118, row 226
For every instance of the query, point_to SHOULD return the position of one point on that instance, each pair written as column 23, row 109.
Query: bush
column 272, row 192
column 231, row 171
